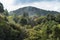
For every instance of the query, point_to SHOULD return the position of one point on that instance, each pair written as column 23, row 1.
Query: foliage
column 1, row 8
column 27, row 28
column 57, row 18
column 6, row 12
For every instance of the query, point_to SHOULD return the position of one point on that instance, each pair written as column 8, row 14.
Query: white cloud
column 54, row 5
column 48, row 5
column 7, row 4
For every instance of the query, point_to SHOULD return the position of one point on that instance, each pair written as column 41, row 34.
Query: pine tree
column 1, row 8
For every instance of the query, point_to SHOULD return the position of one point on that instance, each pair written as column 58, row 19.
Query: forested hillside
column 32, row 11
column 24, row 27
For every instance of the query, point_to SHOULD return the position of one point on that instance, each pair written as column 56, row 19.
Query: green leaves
column 25, row 28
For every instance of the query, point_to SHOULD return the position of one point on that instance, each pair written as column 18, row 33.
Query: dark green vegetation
column 24, row 27
column 1, row 8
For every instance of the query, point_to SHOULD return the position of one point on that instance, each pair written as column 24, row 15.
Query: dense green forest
column 24, row 27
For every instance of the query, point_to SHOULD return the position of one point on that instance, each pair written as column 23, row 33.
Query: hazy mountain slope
column 32, row 11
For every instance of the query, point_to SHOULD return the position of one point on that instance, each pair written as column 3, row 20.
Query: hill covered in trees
column 32, row 11
column 24, row 27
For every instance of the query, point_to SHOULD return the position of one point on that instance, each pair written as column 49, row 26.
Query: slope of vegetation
column 32, row 11
column 29, row 28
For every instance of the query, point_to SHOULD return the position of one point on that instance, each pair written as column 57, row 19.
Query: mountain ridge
column 32, row 11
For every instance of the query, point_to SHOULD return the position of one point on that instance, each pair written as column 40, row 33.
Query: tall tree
column 6, row 12
column 25, row 14
column 1, row 8
column 57, row 18
column 50, row 17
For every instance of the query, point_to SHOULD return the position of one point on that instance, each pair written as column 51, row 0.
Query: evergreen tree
column 1, row 8
column 25, row 14
column 57, row 19
column 6, row 12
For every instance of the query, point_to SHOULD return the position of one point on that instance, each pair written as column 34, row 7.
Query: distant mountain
column 32, row 11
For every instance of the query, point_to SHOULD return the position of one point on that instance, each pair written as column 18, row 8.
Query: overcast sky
column 42, row 4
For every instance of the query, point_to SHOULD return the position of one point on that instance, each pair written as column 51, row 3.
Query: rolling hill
column 32, row 11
